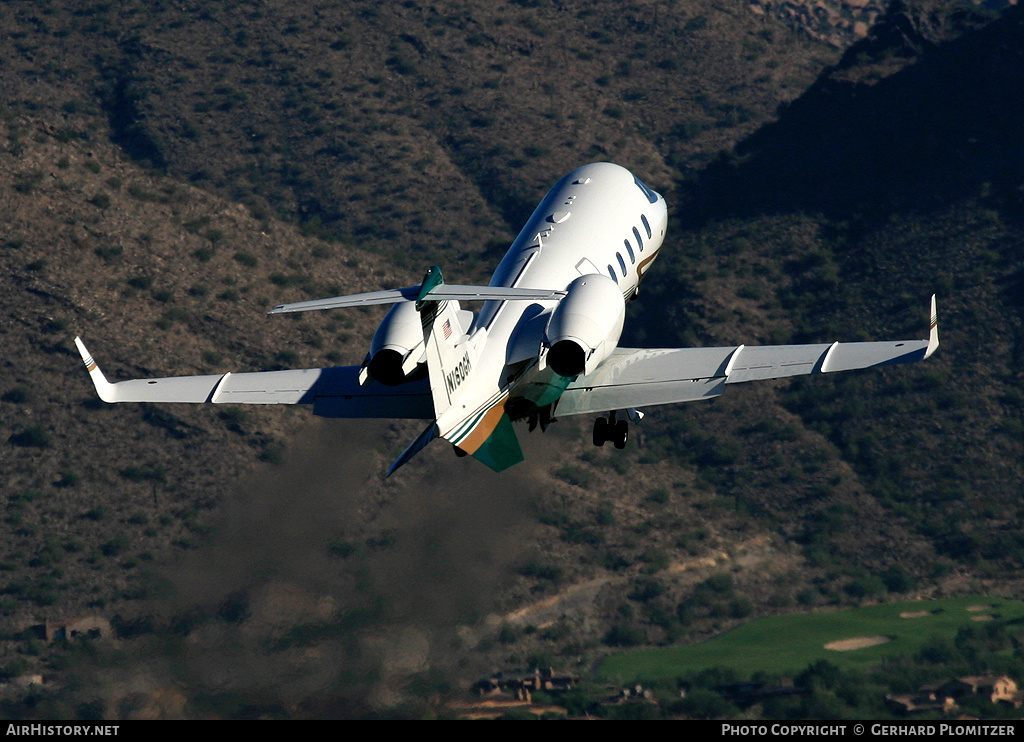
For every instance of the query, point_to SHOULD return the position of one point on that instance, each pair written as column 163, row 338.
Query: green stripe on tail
column 501, row 449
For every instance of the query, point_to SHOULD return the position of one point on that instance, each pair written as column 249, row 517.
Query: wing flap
column 628, row 366
column 298, row 386
column 586, row 400
column 339, row 394
column 646, row 377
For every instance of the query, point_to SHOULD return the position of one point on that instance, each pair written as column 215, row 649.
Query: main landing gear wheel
column 610, row 429
column 621, row 434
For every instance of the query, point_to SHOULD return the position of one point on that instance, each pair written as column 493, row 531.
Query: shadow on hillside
column 945, row 127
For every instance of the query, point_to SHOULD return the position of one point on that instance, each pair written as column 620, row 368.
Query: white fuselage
column 598, row 219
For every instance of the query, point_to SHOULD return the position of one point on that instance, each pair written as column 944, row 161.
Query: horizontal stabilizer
column 443, row 292
column 429, row 434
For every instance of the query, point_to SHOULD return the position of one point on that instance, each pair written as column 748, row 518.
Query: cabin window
column 629, row 249
column 647, row 225
column 622, row 263
column 639, row 241
column 611, row 272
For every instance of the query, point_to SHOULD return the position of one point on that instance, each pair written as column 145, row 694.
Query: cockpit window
column 651, row 195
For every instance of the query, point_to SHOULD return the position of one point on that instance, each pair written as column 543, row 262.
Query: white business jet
column 544, row 342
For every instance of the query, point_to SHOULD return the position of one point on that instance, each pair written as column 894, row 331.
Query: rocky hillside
column 170, row 171
column 840, row 23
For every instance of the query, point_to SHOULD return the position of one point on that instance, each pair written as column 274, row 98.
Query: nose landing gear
column 610, row 429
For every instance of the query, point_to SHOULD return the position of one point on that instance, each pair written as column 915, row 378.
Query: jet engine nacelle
column 397, row 345
column 585, row 326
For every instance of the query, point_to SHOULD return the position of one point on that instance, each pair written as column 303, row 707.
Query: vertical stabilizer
column 450, row 356
column 485, row 432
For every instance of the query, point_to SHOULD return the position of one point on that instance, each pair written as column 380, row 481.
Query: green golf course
column 855, row 638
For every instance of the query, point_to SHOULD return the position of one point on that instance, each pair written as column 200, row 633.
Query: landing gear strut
column 610, row 429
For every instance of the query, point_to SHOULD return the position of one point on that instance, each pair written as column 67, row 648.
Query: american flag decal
column 446, row 328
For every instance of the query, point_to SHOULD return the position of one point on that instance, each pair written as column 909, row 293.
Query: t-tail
column 483, row 431
column 451, row 354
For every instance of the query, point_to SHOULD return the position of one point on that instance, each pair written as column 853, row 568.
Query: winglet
column 933, row 330
column 103, row 387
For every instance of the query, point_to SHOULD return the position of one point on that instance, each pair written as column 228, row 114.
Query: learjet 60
column 544, row 342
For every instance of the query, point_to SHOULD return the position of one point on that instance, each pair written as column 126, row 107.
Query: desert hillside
column 170, row 171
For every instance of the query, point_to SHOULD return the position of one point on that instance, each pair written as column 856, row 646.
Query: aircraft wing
column 333, row 392
column 642, row 378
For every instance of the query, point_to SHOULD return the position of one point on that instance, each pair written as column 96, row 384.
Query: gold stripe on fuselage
column 640, row 269
column 484, row 428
